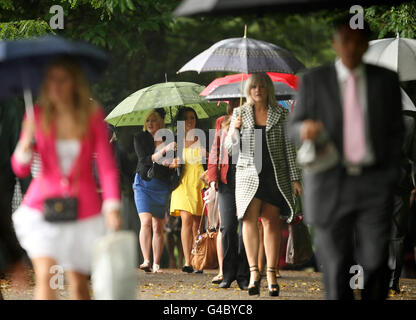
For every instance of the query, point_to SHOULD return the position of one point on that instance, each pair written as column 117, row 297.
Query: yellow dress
column 187, row 196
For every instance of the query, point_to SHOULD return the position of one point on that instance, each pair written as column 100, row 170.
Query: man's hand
column 310, row 129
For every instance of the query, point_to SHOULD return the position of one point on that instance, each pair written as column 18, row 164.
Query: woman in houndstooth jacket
column 267, row 177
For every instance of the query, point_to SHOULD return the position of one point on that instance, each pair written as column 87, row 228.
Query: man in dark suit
column 358, row 106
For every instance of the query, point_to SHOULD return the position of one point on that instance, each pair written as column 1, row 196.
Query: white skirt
column 70, row 244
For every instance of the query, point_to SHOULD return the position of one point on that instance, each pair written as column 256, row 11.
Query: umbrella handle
column 27, row 94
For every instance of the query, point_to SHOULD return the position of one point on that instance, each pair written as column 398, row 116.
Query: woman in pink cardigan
column 69, row 134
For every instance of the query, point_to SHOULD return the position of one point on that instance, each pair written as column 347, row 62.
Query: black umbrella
column 22, row 63
column 233, row 90
column 232, row 7
column 244, row 55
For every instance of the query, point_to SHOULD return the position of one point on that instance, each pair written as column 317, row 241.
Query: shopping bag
column 114, row 261
column 204, row 251
column 299, row 244
column 318, row 156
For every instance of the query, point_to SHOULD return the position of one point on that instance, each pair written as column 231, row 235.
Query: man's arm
column 300, row 112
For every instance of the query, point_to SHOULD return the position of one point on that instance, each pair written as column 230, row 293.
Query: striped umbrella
column 244, row 55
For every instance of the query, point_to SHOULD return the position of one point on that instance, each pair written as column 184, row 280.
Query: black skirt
column 268, row 190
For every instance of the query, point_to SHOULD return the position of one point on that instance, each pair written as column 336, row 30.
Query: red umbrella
column 289, row 79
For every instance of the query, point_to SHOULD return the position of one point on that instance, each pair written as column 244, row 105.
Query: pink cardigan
column 95, row 147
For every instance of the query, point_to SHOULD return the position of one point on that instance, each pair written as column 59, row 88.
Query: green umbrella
column 133, row 110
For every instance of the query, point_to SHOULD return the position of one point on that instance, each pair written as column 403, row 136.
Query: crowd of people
column 251, row 167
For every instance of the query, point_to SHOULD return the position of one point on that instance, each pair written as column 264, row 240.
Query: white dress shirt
column 361, row 82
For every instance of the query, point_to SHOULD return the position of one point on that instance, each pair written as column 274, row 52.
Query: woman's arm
column 22, row 157
column 232, row 138
column 213, row 159
column 144, row 154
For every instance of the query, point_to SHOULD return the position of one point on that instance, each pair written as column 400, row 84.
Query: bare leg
column 187, row 235
column 145, row 236
column 271, row 224
column 251, row 237
column 262, row 256
column 78, row 286
column 279, row 253
column 195, row 225
column 43, row 289
column 219, row 252
column 157, row 239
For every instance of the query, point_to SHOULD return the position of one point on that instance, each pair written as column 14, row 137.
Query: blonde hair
column 260, row 78
column 153, row 112
column 83, row 104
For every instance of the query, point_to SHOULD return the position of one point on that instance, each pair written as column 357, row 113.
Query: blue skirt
column 151, row 196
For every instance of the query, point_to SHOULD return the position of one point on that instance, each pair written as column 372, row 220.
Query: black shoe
column 198, row 271
column 243, row 285
column 187, row 269
column 254, row 287
column 273, row 288
column 395, row 288
column 225, row 284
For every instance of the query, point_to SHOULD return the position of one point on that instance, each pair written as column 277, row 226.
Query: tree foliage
column 145, row 41
column 390, row 21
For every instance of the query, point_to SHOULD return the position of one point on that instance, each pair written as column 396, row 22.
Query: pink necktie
column 354, row 135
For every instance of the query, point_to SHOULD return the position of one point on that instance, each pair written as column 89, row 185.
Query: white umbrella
column 407, row 103
column 397, row 54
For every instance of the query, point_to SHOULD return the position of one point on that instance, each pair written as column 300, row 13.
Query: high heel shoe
column 273, row 287
column 254, row 287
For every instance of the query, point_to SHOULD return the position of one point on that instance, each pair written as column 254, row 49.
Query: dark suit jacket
column 319, row 99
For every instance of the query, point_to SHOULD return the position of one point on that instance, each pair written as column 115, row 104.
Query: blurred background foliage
column 147, row 44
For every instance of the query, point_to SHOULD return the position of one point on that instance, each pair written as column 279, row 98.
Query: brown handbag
column 204, row 251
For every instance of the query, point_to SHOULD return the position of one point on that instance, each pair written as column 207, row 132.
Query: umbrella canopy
column 407, row 103
column 233, row 7
column 289, row 79
column 133, row 110
column 22, row 62
column 233, row 90
column 244, row 55
column 397, row 54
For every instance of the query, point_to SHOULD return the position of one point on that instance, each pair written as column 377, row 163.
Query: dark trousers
column 10, row 249
column 235, row 265
column 398, row 234
column 358, row 234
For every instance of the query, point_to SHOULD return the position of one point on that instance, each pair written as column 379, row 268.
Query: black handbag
column 61, row 209
column 174, row 179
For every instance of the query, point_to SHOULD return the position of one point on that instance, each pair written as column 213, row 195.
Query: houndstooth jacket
column 282, row 154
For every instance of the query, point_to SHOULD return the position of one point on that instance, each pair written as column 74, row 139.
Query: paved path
column 175, row 285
